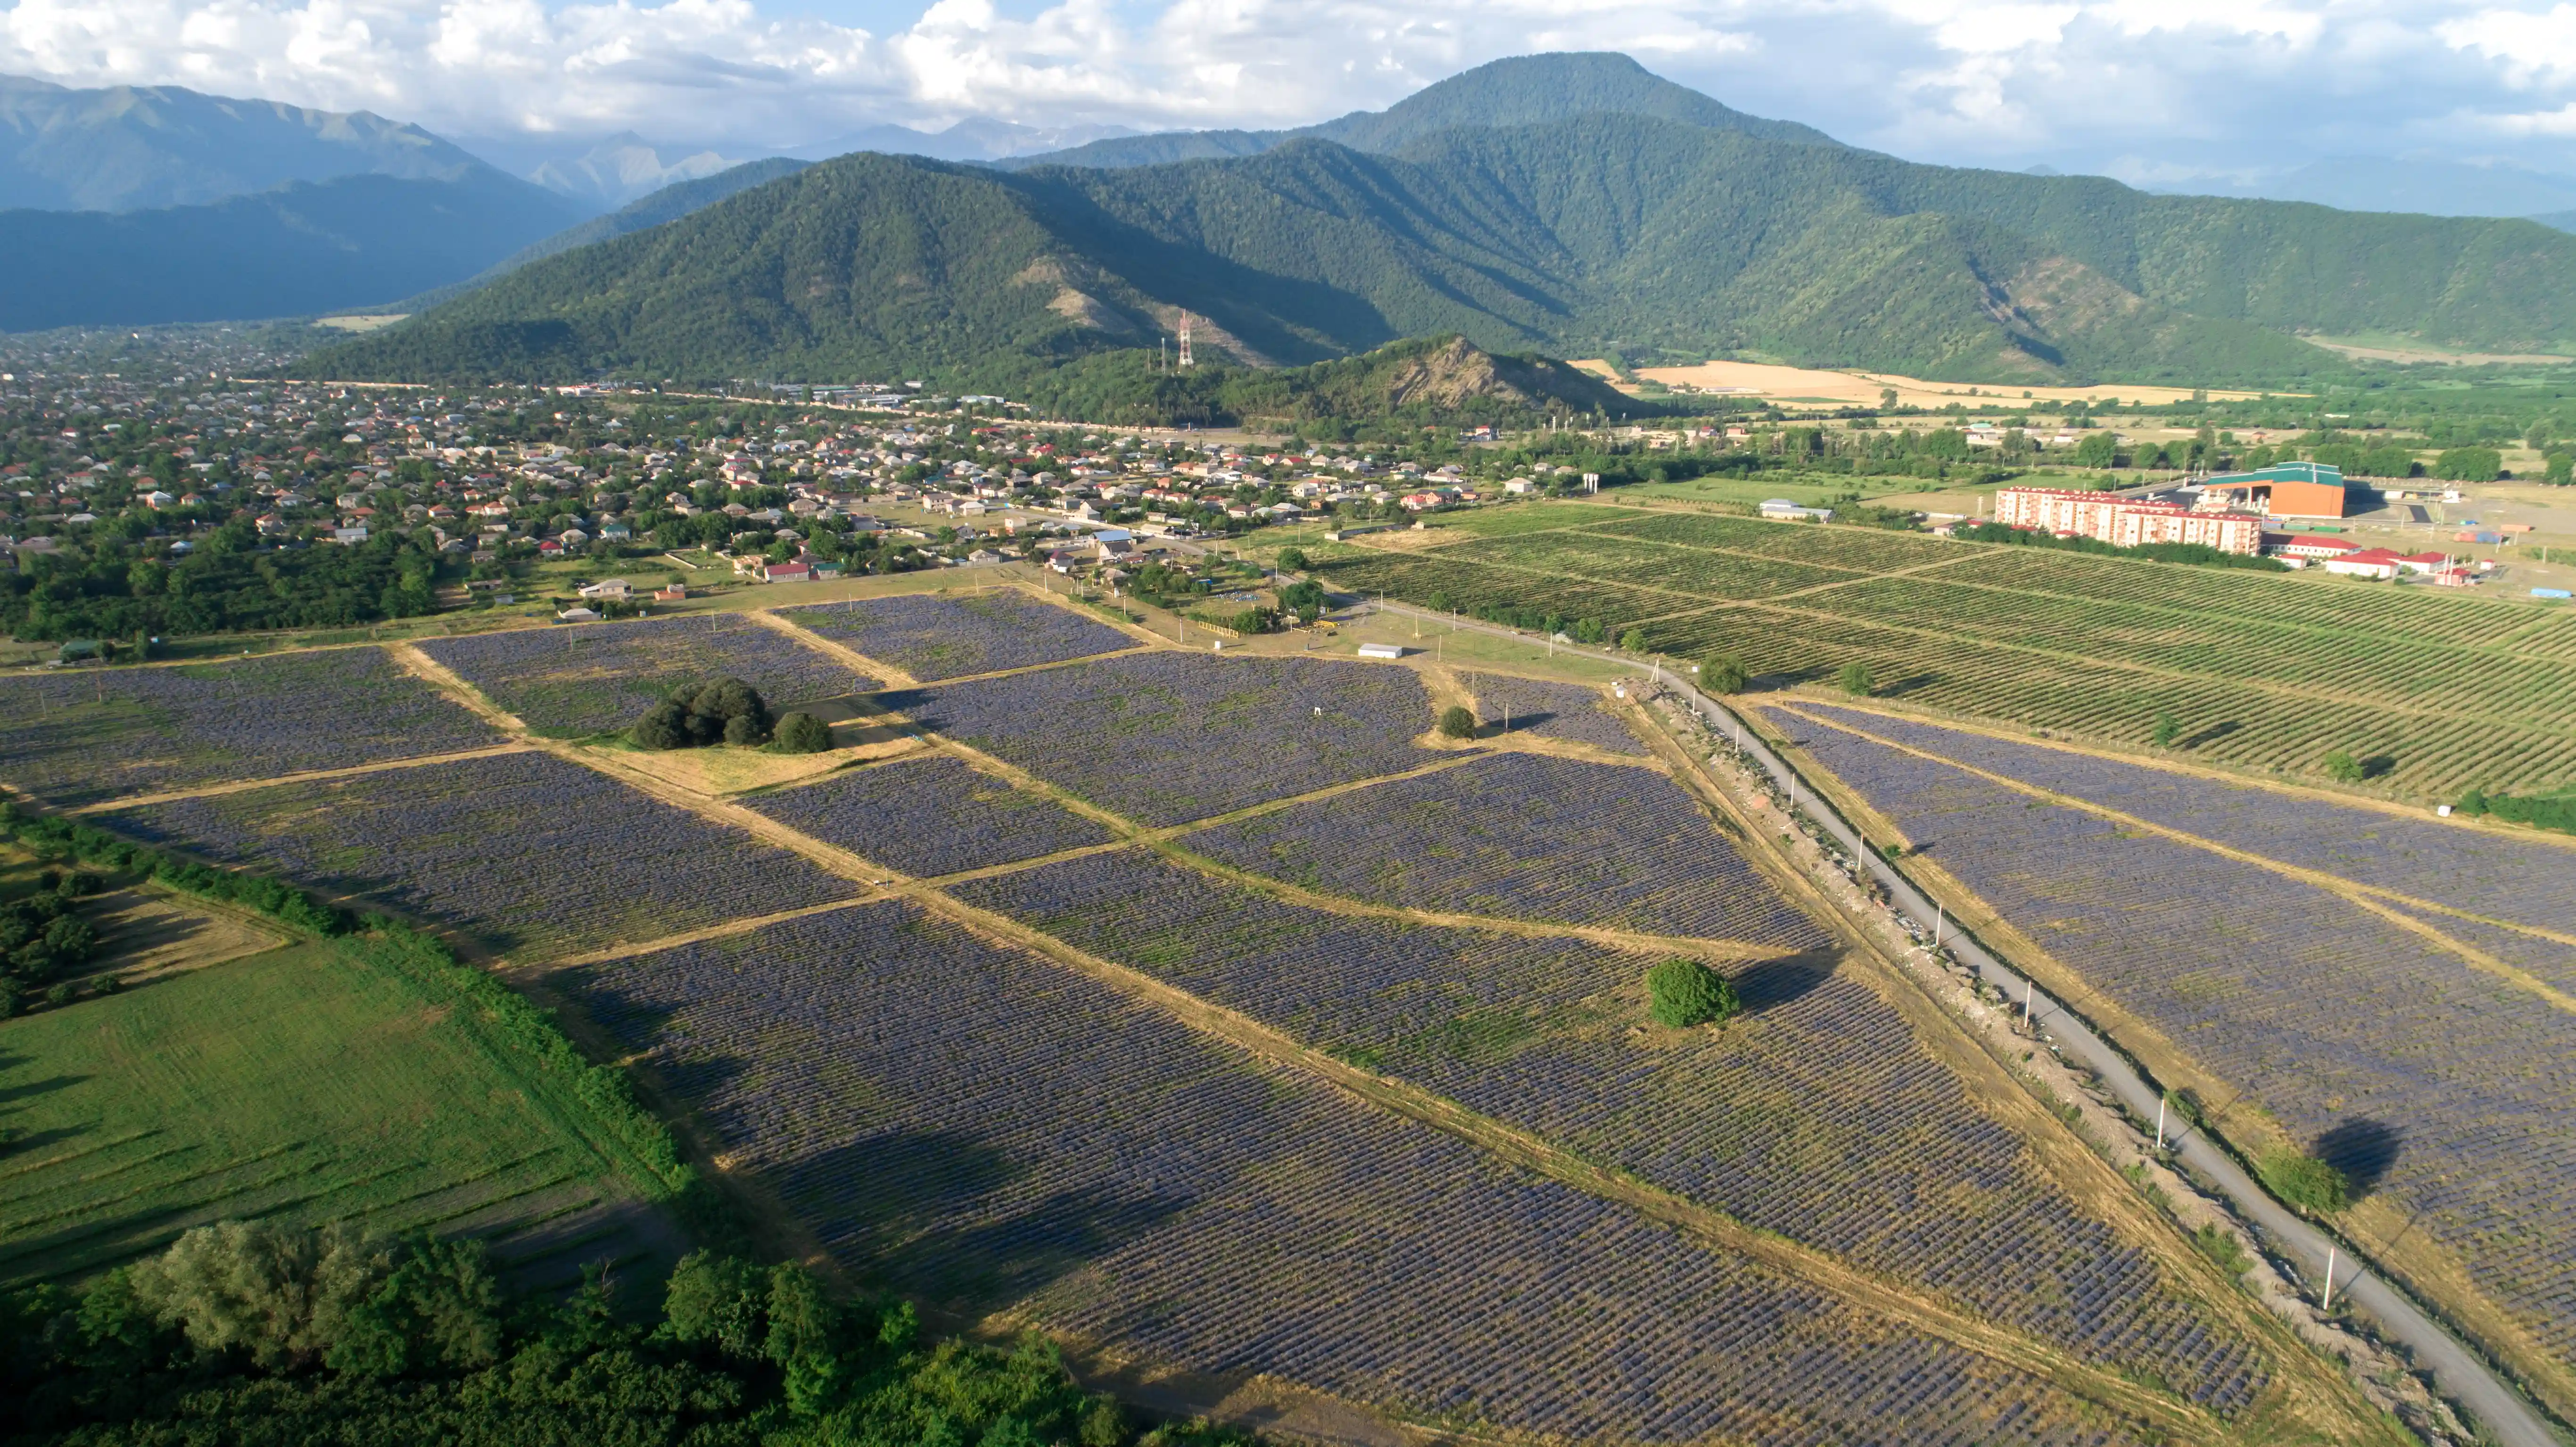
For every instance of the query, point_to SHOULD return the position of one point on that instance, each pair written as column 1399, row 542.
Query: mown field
column 2436, row 692
column 310, row 1083
column 2249, row 954
column 1160, row 1044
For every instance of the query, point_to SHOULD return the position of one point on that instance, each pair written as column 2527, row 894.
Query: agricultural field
column 1057, row 1150
column 75, row 738
column 1551, row 710
column 933, row 636
column 2517, row 877
column 2439, row 1088
column 308, row 1083
column 1887, row 1163
column 1137, row 1097
column 2259, row 670
column 929, row 816
column 1166, row 737
column 526, row 853
column 599, row 677
column 1524, row 836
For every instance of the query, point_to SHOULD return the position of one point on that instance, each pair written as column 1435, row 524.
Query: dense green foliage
column 112, row 588
column 1681, row 993
column 2542, row 811
column 1458, row 721
column 803, row 733
column 56, row 838
column 254, row 1332
column 727, row 711
column 2303, row 1181
column 42, row 935
column 1425, row 381
column 1626, row 234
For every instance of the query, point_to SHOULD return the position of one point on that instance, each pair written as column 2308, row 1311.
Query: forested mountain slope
column 1519, row 91
column 1595, row 232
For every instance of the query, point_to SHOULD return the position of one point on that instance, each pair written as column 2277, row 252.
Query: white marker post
column 2029, row 993
column 2328, row 1305
column 2160, row 1123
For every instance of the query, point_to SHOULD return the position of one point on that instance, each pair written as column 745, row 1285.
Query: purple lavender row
column 601, row 677
column 1169, row 737
column 1524, row 836
column 524, row 851
column 2443, row 1088
column 932, row 636
column 2494, row 875
column 83, row 738
column 1817, row 1115
column 987, row 1130
column 1552, row 710
column 929, row 816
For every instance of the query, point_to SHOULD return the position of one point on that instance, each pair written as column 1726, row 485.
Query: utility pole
column 2328, row 1305
column 2160, row 1124
column 2029, row 993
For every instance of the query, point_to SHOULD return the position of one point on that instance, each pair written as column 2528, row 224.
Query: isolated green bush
column 1856, row 680
column 1683, row 993
column 802, row 733
column 1724, row 673
column 2302, row 1181
column 1457, row 721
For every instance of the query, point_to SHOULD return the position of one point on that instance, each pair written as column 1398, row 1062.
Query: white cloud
column 2169, row 85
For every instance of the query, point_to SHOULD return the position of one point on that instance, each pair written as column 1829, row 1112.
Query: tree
column 1682, row 993
column 2167, row 729
column 2468, row 464
column 1855, row 679
column 802, row 733
column 282, row 1294
column 1633, row 641
column 1457, row 721
column 2343, row 768
column 2098, row 449
column 2302, row 1181
column 1292, row 560
column 697, row 715
column 1724, row 673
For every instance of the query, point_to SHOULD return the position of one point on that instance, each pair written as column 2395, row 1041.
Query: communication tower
column 1185, row 339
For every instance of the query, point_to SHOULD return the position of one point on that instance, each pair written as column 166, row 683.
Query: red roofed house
column 2367, row 563
column 2311, row 547
column 796, row 572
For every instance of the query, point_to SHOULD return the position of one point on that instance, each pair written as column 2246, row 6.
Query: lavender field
column 2525, row 880
column 81, row 738
column 1551, row 710
column 1169, row 737
column 929, row 816
column 526, row 852
column 934, row 636
column 1524, row 836
column 600, row 677
column 2443, row 1088
column 1817, row 1116
column 1053, row 1146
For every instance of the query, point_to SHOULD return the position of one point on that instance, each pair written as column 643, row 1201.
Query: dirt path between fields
column 310, row 776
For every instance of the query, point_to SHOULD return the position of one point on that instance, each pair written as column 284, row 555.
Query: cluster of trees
column 273, row 1332
column 42, row 935
column 115, row 582
column 726, row 711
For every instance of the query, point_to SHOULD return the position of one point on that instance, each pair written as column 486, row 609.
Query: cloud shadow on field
column 2363, row 1149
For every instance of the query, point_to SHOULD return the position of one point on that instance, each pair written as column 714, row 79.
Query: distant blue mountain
column 130, row 148
column 303, row 249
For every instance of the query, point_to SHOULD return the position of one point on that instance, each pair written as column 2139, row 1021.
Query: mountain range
column 131, row 148
column 1651, row 224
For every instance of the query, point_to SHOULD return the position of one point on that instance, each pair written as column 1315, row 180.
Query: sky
column 2148, row 90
